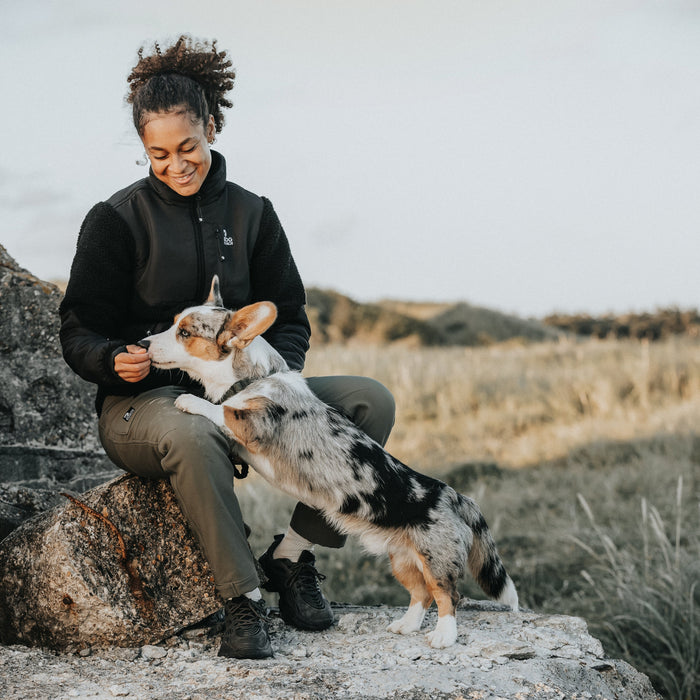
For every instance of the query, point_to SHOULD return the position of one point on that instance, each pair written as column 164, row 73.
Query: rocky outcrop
column 42, row 403
column 115, row 566
column 48, row 437
column 119, row 567
column 498, row 655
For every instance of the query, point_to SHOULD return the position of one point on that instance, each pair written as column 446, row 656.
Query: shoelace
column 309, row 578
column 248, row 614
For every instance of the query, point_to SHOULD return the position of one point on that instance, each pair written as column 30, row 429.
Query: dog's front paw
column 401, row 627
column 444, row 634
column 189, row 403
column 410, row 622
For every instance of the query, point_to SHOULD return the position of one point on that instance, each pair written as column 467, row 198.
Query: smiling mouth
column 183, row 179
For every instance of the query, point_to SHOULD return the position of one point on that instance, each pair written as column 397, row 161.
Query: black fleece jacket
column 147, row 253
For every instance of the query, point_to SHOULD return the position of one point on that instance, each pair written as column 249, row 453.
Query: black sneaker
column 245, row 630
column 302, row 604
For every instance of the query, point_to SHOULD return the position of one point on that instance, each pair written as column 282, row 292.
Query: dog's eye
column 183, row 333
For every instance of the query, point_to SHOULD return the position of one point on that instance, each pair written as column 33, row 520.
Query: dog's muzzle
column 144, row 343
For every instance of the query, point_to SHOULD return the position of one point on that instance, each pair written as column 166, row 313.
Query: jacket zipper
column 198, row 218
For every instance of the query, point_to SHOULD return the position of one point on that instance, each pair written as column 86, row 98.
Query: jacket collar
column 211, row 188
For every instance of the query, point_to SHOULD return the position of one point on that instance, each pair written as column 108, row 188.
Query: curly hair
column 190, row 73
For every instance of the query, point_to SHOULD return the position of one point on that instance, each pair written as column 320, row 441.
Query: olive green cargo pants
column 146, row 435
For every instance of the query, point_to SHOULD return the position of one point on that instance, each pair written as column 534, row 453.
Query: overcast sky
column 527, row 156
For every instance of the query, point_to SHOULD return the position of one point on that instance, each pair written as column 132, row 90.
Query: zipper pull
column 220, row 234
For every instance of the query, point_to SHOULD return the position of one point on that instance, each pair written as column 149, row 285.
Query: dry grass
column 519, row 405
column 534, row 432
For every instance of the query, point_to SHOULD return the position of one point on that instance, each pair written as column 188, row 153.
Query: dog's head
column 208, row 333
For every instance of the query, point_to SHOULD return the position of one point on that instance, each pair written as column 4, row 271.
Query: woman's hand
column 134, row 364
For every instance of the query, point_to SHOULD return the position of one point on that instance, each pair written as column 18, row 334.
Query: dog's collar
column 235, row 388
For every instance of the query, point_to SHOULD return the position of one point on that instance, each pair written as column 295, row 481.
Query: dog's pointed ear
column 246, row 324
column 214, row 298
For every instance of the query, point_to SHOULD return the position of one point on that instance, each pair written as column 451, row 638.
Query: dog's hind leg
column 446, row 596
column 408, row 574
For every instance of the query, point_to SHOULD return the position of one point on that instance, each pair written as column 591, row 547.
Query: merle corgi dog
column 317, row 455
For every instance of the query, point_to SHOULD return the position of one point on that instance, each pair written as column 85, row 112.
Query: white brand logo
column 228, row 240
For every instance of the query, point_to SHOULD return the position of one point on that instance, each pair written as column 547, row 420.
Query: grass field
column 585, row 458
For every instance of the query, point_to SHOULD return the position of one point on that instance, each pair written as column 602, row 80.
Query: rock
column 31, row 478
column 27, row 309
column 18, row 503
column 42, row 402
column 355, row 659
column 54, row 468
column 48, row 431
column 117, row 567
column 151, row 651
column 10, row 517
column 119, row 691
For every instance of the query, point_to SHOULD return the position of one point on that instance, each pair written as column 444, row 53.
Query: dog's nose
column 144, row 343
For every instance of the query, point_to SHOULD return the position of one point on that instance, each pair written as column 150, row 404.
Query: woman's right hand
column 134, row 364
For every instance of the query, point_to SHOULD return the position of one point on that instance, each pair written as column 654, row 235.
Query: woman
column 145, row 254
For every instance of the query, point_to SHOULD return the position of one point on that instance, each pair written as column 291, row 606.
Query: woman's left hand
column 133, row 365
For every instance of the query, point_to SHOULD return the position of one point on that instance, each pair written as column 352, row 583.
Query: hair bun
column 197, row 60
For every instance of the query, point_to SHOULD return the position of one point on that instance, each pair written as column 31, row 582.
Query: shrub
column 649, row 596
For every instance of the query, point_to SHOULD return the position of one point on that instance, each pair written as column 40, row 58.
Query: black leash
column 240, row 468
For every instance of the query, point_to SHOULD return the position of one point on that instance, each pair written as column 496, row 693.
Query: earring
column 143, row 160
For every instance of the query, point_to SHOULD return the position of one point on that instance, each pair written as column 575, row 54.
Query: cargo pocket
column 114, row 427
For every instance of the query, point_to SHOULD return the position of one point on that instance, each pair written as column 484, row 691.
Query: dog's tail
column 484, row 562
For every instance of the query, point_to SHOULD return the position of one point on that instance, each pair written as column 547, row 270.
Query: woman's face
column 178, row 148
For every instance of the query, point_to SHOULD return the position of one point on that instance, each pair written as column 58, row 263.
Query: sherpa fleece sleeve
column 97, row 295
column 274, row 277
